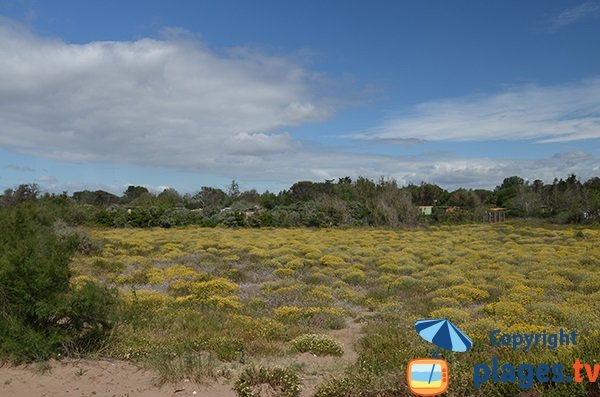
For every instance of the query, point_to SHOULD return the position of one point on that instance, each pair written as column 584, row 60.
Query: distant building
column 495, row 215
column 426, row 210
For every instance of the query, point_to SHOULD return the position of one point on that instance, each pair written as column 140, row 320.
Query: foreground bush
column 41, row 314
column 265, row 381
column 320, row 345
column 363, row 384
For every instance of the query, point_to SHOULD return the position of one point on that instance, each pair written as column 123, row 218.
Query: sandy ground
column 103, row 378
column 94, row 378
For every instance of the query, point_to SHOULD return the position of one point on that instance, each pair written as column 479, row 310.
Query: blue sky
column 102, row 94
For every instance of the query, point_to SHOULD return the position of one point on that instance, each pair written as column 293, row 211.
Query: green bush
column 91, row 307
column 364, row 384
column 266, row 381
column 41, row 314
column 76, row 240
column 386, row 349
column 320, row 345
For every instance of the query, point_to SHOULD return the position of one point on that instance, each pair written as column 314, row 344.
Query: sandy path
column 106, row 378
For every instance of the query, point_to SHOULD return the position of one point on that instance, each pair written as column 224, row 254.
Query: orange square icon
column 427, row 376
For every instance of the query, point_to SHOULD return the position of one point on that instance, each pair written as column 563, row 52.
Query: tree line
column 345, row 202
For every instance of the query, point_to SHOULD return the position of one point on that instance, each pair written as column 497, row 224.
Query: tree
column 427, row 194
column 365, row 188
column 169, row 198
column 233, row 191
column 250, row 196
column 99, row 198
column 391, row 206
column 511, row 181
column 464, row 198
column 567, row 200
column 526, row 202
column 302, row 191
column 211, row 197
column 268, row 200
column 41, row 313
column 133, row 193
column 508, row 190
column 484, row 195
column 23, row 193
column 537, row 186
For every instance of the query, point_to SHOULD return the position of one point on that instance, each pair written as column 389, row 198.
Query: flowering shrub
column 320, row 345
column 354, row 276
column 508, row 312
column 179, row 272
column 285, row 272
column 458, row 316
column 332, row 260
column 320, row 317
column 261, row 288
column 280, row 382
column 463, row 293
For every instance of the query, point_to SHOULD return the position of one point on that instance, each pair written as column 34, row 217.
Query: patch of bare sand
column 108, row 378
column 315, row 369
column 95, row 378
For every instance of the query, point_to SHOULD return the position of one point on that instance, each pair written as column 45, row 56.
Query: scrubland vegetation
column 345, row 202
column 215, row 304
column 224, row 298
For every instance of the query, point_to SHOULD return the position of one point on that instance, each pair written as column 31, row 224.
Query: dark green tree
column 134, row 192
column 40, row 313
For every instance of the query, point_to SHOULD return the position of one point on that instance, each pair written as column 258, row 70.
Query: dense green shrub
column 89, row 313
column 41, row 314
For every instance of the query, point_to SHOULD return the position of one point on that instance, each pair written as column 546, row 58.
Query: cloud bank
column 543, row 114
column 169, row 102
column 177, row 104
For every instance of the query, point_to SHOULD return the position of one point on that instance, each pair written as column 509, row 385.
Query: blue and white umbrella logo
column 444, row 334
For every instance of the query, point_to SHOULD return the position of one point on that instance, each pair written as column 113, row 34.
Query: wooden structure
column 496, row 215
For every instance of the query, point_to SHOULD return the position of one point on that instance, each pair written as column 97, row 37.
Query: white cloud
column 573, row 14
column 542, row 113
column 172, row 102
column 448, row 171
column 260, row 144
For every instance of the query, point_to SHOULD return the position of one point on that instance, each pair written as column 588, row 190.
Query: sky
column 184, row 94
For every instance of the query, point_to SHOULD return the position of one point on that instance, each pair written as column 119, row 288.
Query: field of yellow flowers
column 203, row 302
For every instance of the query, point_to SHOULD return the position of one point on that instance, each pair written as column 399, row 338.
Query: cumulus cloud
column 541, row 113
column 171, row 102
